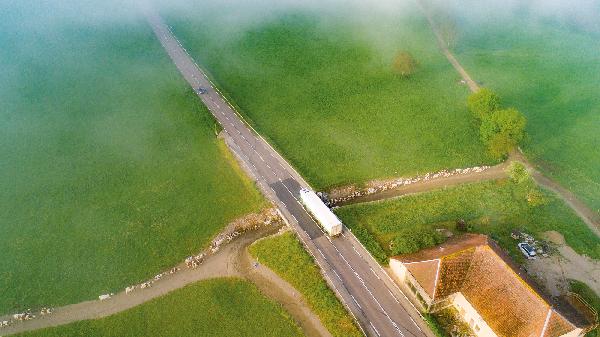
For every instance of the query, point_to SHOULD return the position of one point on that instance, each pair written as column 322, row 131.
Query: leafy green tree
column 483, row 102
column 411, row 240
column 502, row 130
column 500, row 145
column 404, row 64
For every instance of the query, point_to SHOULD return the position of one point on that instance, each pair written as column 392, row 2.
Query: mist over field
column 581, row 14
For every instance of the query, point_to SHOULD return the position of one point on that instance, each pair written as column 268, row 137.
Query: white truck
column 324, row 216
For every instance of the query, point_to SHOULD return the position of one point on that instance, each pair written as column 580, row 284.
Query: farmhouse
column 472, row 274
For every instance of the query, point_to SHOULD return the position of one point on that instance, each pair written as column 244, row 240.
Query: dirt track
column 232, row 260
column 591, row 218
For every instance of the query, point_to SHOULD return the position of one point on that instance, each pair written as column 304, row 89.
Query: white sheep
column 104, row 297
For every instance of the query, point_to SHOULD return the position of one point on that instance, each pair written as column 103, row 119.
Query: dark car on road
column 201, row 90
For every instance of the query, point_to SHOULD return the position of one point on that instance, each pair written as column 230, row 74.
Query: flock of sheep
column 25, row 316
column 391, row 184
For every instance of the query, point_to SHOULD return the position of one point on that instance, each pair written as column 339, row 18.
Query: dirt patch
column 554, row 237
column 553, row 272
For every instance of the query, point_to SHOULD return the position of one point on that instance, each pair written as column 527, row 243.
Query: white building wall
column 406, row 279
column 575, row 333
column 472, row 317
column 398, row 268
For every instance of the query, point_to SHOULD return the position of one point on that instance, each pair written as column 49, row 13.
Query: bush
column 483, row 102
column 502, row 130
column 404, row 64
column 463, row 226
column 535, row 197
column 517, row 172
column 370, row 243
column 411, row 240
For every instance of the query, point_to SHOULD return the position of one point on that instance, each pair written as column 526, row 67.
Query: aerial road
column 363, row 286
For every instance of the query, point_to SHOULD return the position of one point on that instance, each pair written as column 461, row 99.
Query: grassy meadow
column 319, row 84
column 286, row 256
column 547, row 66
column 492, row 207
column 110, row 167
column 219, row 307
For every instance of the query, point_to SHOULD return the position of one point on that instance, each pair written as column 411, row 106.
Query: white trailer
column 324, row 216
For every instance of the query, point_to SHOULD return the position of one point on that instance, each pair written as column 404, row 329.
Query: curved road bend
column 366, row 290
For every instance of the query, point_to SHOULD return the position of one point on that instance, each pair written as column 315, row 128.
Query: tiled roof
column 475, row 267
column 557, row 325
column 422, row 272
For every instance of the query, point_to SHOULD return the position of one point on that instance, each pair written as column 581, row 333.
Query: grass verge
column 286, row 256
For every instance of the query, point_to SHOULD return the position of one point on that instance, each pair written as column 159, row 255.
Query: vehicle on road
column 201, row 90
column 527, row 250
column 324, row 216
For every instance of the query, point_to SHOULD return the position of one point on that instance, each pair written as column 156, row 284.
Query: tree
column 502, row 130
column 483, row 102
column 500, row 146
column 404, row 64
column 411, row 240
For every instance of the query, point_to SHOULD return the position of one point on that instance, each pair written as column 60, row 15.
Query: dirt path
column 495, row 172
column 586, row 214
column 591, row 218
column 277, row 288
column 230, row 261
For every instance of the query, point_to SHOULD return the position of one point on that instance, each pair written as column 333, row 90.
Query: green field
column 285, row 255
column 219, row 307
column 319, row 84
column 110, row 167
column 549, row 69
column 492, row 207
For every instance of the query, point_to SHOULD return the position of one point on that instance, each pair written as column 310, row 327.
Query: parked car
column 201, row 90
column 527, row 250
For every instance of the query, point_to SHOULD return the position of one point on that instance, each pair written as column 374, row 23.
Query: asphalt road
column 364, row 287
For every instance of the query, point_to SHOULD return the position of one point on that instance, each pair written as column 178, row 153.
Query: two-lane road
column 377, row 304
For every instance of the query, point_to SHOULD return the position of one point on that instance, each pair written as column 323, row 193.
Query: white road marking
column 415, row 323
column 355, row 301
column 336, row 274
column 394, row 297
column 377, row 332
column 374, row 273
column 322, row 254
column 356, row 251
